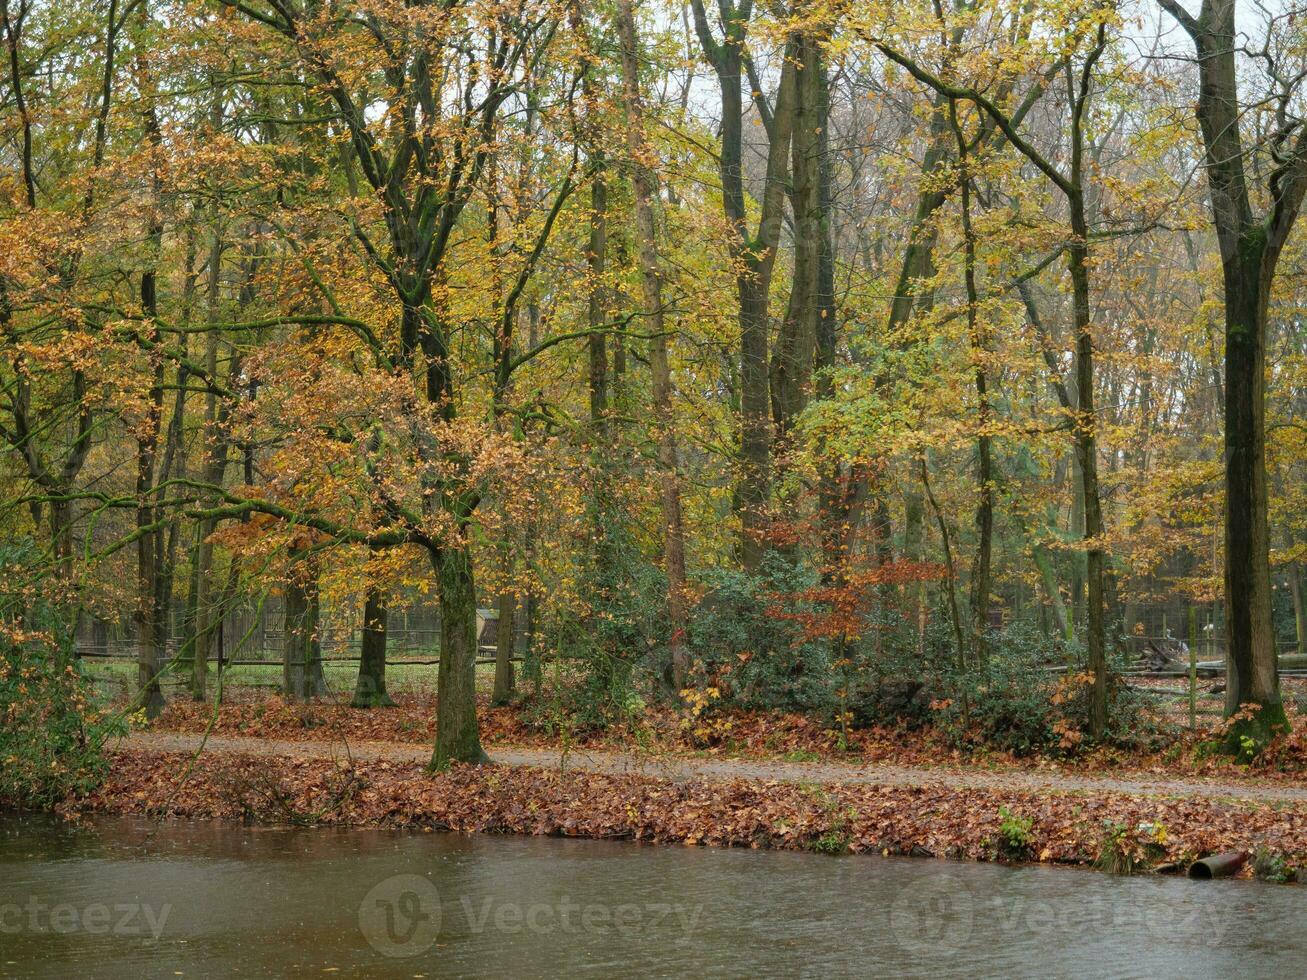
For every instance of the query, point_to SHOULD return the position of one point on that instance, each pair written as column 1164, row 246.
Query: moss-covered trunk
column 457, row 735
column 1250, row 247
column 1251, row 674
column 370, row 687
column 301, row 664
column 1086, row 449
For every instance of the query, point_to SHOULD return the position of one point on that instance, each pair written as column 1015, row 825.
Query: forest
column 801, row 380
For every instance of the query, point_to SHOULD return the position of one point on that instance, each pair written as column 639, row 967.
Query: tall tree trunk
column 1251, row 658
column 950, row 566
column 302, row 674
column 370, row 687
column 1076, row 529
column 914, row 549
column 457, row 736
column 505, row 637
column 646, row 189
column 61, row 536
column 982, row 562
column 599, row 304
column 1086, row 420
column 836, row 494
column 1299, row 607
column 149, row 632
column 597, row 258
column 295, row 635
column 796, row 343
column 1250, row 248
column 754, row 255
column 151, row 616
column 215, row 458
column 503, row 689
column 755, row 422
column 1048, row 584
column 915, row 289
column 1087, row 456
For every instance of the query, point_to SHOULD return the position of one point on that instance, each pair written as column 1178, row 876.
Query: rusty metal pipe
column 1218, row 865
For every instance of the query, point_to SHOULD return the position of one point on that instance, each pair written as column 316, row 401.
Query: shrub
column 702, row 722
column 837, row 834
column 50, row 731
column 1269, row 865
column 1013, row 702
column 1117, row 854
column 585, row 697
column 1015, row 834
column 744, row 642
column 1125, row 849
column 609, row 644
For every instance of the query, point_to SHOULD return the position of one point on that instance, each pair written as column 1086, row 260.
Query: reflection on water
column 128, row 898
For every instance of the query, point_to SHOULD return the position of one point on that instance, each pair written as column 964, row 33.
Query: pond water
column 129, row 898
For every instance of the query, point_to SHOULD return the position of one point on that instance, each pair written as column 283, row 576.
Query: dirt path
column 680, row 768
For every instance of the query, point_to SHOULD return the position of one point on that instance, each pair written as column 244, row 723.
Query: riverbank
column 1082, row 825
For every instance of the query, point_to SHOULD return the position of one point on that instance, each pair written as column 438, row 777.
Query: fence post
column 1193, row 668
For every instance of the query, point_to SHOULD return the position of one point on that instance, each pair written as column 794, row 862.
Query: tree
column 1090, row 35
column 423, row 162
column 302, row 674
column 1250, row 248
column 646, row 190
column 370, row 687
column 754, row 254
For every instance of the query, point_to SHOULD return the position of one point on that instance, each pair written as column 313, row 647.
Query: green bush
column 1005, row 701
column 1272, row 866
column 50, row 733
column 742, row 641
column 1013, row 701
column 612, row 649
column 1015, row 834
column 585, row 697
